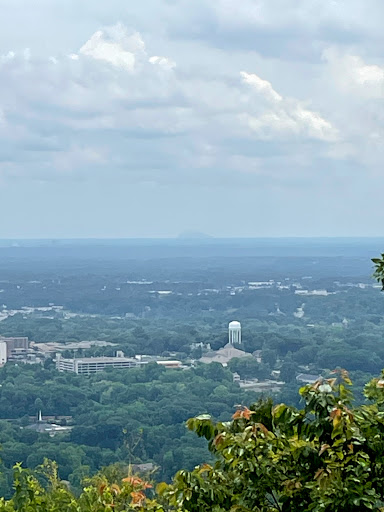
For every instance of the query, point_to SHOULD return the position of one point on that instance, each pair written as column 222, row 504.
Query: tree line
column 326, row 456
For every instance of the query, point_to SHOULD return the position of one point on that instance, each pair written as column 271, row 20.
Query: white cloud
column 262, row 86
column 284, row 117
column 352, row 74
column 163, row 62
column 314, row 124
column 115, row 46
column 7, row 57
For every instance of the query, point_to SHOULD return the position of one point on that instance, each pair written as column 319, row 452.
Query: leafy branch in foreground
column 326, row 457
column 379, row 269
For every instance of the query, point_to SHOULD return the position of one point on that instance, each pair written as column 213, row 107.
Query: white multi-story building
column 3, row 353
column 88, row 365
column 234, row 333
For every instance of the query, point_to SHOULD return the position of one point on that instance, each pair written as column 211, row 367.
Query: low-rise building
column 16, row 347
column 51, row 348
column 306, row 378
column 236, row 377
column 89, row 365
column 170, row 364
column 43, row 427
column 267, row 386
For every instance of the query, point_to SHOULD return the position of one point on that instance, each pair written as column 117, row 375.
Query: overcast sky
column 233, row 118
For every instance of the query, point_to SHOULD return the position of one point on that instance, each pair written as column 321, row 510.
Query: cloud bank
column 114, row 107
column 275, row 96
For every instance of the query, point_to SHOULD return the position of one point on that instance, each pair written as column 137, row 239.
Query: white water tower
column 234, row 332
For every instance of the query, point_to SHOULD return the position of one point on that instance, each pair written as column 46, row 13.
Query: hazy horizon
column 202, row 238
column 115, row 249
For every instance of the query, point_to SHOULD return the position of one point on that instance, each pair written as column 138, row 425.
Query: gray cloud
column 287, row 29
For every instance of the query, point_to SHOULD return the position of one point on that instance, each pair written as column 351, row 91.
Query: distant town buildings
column 322, row 293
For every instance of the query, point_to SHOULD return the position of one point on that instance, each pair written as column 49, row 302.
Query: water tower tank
column 234, row 332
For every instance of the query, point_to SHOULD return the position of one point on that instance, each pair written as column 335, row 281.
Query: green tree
column 326, row 457
column 44, row 492
column 38, row 405
column 249, row 367
column 269, row 357
column 288, row 371
column 379, row 269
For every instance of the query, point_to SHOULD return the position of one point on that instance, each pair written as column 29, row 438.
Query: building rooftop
column 306, row 377
column 102, row 359
column 149, row 466
column 166, row 362
column 224, row 355
column 49, row 428
column 53, row 346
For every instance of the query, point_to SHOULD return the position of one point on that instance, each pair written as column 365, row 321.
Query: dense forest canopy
column 116, row 416
column 303, row 313
column 327, row 456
